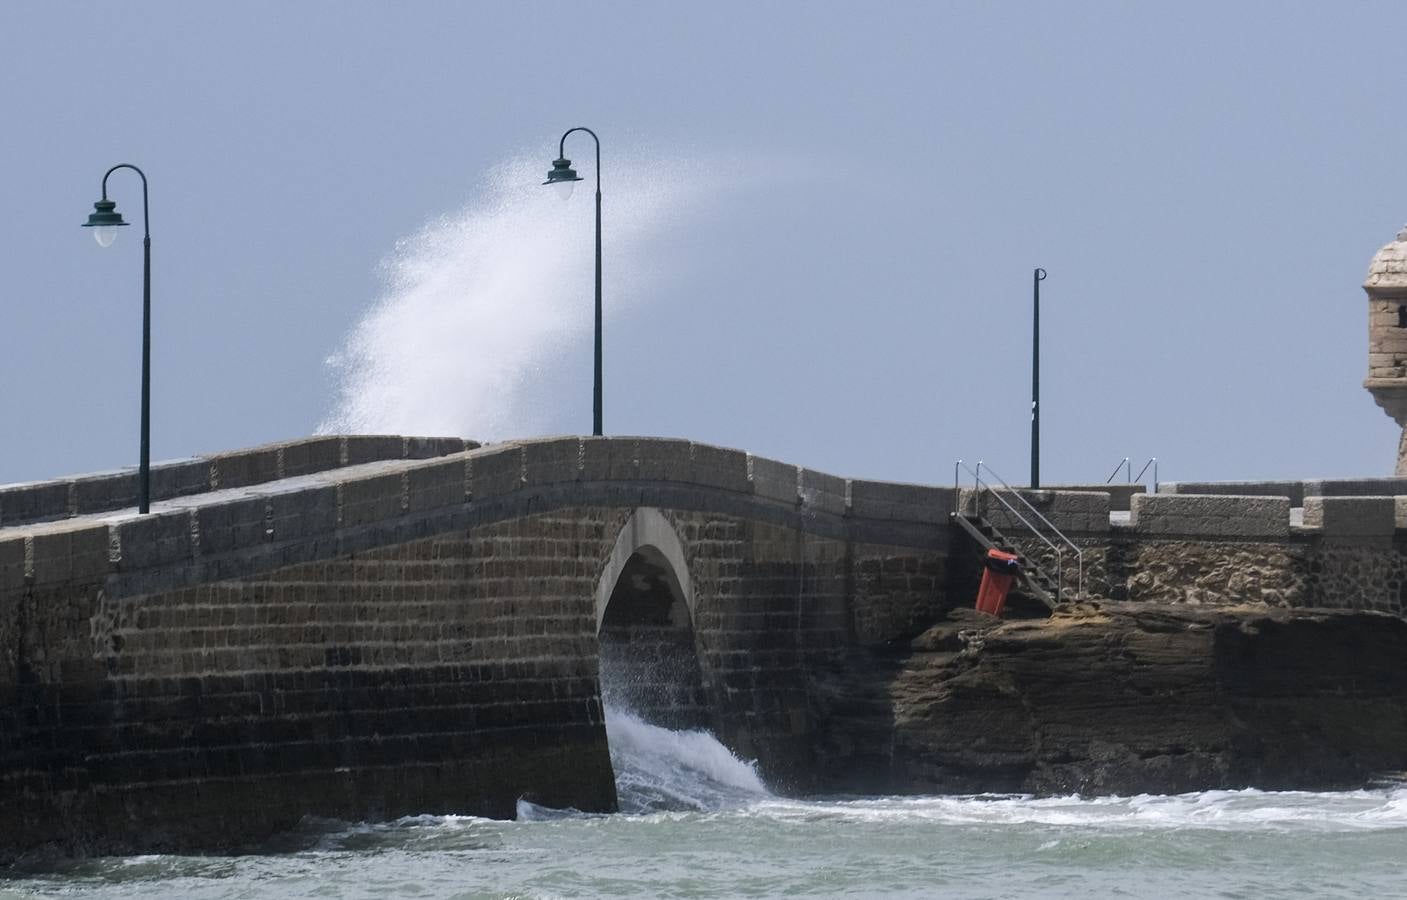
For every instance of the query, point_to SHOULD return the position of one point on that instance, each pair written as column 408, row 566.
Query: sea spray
column 658, row 769
column 478, row 305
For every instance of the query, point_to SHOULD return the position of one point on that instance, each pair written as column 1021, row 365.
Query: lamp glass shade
column 562, row 177
column 104, row 220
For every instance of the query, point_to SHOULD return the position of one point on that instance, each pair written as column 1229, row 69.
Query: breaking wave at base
column 660, row 770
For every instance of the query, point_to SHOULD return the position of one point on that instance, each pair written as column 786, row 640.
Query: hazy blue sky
column 835, row 269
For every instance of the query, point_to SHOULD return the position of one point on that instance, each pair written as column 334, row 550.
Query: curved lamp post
column 564, row 178
column 105, row 220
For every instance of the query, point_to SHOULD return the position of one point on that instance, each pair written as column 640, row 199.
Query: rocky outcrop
column 1123, row 697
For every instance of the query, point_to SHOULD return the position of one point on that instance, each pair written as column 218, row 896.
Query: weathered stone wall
column 1301, row 571
column 420, row 635
column 445, row 674
column 778, row 608
column 1227, row 550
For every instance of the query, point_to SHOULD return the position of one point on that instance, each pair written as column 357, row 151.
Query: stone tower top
column 1387, row 274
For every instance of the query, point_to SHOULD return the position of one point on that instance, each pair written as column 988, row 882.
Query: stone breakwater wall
column 1346, row 551
column 419, row 635
column 369, row 627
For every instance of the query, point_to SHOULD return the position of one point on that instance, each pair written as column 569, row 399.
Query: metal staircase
column 1033, row 580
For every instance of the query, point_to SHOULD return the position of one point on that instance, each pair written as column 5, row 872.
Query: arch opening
column 648, row 655
column 649, row 664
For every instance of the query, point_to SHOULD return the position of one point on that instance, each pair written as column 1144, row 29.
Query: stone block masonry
column 1074, row 511
column 1210, row 515
column 418, row 634
column 1353, row 517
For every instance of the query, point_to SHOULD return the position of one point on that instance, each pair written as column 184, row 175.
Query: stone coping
column 1296, row 491
column 260, row 516
column 1354, row 517
column 1074, row 511
column 1293, row 490
column 65, row 498
column 257, row 501
column 1119, row 494
column 1210, row 515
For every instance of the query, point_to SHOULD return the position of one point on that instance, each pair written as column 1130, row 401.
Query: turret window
column 1402, row 317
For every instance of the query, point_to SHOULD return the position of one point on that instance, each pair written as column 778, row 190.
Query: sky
column 820, row 222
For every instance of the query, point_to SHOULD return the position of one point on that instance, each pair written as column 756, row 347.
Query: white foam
column 658, row 769
column 1243, row 810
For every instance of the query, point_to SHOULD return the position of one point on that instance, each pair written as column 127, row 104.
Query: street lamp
column 563, row 177
column 1036, row 278
column 105, row 220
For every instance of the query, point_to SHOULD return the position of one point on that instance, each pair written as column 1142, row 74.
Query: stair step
column 1033, row 581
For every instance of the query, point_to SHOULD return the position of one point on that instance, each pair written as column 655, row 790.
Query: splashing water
column 660, row 770
column 478, row 304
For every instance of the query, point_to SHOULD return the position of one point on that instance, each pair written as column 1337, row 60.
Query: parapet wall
column 1084, row 511
column 1070, row 511
column 1210, row 515
column 239, row 530
column 45, row 501
column 1293, row 490
column 1352, row 516
column 1120, row 495
column 1343, row 552
column 1296, row 491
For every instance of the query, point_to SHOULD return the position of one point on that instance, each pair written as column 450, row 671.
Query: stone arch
column 646, row 529
column 644, row 625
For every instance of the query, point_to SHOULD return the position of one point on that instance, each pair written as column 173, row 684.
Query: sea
column 696, row 821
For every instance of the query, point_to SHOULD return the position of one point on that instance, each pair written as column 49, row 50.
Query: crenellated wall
column 1197, row 547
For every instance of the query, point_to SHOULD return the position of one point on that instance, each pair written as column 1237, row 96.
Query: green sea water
column 700, row 824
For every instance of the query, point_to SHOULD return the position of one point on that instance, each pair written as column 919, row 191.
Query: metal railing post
column 1059, row 553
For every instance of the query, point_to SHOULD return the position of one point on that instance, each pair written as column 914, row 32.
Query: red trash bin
column 998, row 573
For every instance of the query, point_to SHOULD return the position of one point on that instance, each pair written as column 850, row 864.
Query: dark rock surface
column 1124, row 698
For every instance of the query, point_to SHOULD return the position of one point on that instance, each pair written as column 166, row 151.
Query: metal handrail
column 1127, row 465
column 1153, row 461
column 1079, row 554
column 1059, row 555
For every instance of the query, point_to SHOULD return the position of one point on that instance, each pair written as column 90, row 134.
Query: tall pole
column 563, row 172
column 596, row 393
column 144, row 476
column 144, row 465
column 1036, row 278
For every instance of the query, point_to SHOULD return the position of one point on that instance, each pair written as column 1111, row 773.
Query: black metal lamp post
column 105, row 220
column 1036, row 278
column 564, row 178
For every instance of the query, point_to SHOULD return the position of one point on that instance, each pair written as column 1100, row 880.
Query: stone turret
column 1387, row 336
